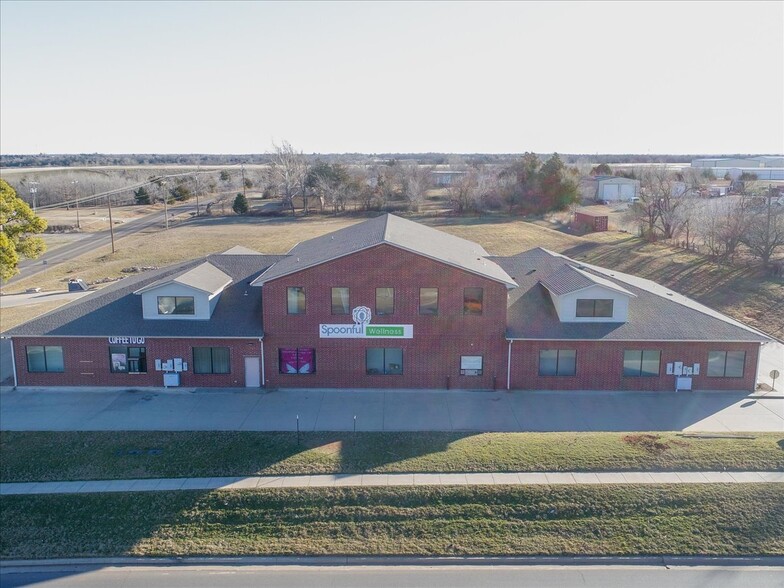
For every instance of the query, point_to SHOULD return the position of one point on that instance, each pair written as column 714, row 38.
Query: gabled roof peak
column 205, row 277
column 391, row 230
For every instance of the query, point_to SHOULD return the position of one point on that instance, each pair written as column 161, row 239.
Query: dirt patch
column 333, row 448
column 652, row 443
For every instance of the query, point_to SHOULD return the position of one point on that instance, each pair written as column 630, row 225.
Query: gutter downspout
column 759, row 365
column 263, row 379
column 13, row 361
column 509, row 367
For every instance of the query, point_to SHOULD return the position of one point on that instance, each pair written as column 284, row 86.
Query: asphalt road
column 92, row 241
column 398, row 576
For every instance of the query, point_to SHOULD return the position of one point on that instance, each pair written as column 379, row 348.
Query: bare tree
column 471, row 191
column 765, row 232
column 722, row 224
column 664, row 200
column 415, row 181
column 290, row 171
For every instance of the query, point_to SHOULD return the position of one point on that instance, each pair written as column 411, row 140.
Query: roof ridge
column 385, row 232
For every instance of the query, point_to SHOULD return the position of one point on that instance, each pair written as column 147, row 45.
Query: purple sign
column 306, row 361
column 288, row 361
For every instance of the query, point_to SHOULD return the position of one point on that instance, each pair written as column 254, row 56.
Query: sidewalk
column 367, row 480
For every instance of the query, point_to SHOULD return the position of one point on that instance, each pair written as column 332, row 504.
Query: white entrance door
column 252, row 372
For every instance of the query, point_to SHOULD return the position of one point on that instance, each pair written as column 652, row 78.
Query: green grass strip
column 715, row 519
column 47, row 456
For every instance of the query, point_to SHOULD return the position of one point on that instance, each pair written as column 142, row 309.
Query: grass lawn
column 49, row 456
column 715, row 519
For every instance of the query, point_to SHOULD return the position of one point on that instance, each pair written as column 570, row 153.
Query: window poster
column 119, row 362
column 288, row 361
column 305, row 365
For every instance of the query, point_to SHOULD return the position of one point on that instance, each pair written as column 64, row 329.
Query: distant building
column 443, row 178
column 610, row 189
column 765, row 167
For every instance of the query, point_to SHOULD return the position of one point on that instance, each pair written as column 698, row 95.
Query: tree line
column 128, row 159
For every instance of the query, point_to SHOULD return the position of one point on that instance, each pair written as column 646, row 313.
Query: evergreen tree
column 240, row 205
column 142, row 196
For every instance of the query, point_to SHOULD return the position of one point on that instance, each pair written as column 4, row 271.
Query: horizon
column 392, row 78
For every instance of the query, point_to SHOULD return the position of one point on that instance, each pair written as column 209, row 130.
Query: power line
column 148, row 182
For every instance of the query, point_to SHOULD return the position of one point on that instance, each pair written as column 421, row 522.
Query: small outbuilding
column 594, row 218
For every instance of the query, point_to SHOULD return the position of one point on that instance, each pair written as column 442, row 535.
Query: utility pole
column 74, row 183
column 111, row 223
column 165, row 204
column 33, row 191
column 242, row 167
column 198, row 187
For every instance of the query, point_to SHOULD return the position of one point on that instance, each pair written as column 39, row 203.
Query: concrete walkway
column 367, row 480
column 96, row 409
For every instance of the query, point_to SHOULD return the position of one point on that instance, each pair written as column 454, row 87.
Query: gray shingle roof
column 392, row 230
column 656, row 314
column 569, row 278
column 116, row 310
column 205, row 277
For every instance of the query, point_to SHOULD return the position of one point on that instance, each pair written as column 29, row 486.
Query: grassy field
column 48, row 456
column 715, row 519
column 744, row 293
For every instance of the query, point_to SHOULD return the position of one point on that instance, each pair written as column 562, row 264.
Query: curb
column 10, row 566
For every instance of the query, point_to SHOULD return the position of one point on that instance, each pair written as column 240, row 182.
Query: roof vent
column 530, row 272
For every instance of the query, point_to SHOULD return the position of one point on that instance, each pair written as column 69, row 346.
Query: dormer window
column 176, row 305
column 190, row 295
column 602, row 307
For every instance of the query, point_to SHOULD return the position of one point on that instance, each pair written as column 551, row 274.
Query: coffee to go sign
column 362, row 329
column 126, row 340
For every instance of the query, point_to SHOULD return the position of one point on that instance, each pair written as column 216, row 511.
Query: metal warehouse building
column 387, row 303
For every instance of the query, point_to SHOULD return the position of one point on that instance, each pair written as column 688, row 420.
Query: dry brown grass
column 93, row 219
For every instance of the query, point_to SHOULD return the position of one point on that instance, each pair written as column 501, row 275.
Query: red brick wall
column 439, row 341
column 87, row 362
column 600, row 366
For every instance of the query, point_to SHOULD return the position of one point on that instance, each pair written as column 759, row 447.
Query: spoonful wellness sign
column 362, row 329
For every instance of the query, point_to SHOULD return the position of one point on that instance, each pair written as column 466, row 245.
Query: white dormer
column 581, row 297
column 191, row 295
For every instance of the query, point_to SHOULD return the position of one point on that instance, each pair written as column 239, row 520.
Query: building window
column 471, row 365
column 428, row 301
column 296, row 300
column 175, row 305
column 384, row 360
column 45, row 358
column 297, row 361
column 594, row 308
column 557, row 362
column 641, row 363
column 472, row 300
column 340, row 301
column 127, row 359
column 726, row 364
column 211, row 360
column 385, row 301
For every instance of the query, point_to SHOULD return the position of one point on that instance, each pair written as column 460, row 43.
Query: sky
column 398, row 77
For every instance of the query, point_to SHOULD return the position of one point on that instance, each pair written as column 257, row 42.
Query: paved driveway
column 383, row 410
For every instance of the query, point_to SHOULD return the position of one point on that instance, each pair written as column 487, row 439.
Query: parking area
column 388, row 410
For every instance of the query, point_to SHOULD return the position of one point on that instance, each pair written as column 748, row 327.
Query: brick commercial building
column 387, row 303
